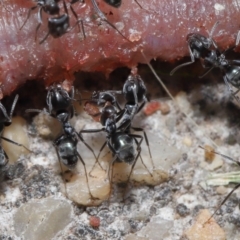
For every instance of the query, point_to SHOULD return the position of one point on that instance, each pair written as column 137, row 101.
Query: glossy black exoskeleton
column 5, row 121
column 60, row 106
column 114, row 3
column 58, row 24
column 51, row 7
column 205, row 49
column 60, row 103
column 120, row 143
column 66, row 148
column 199, row 46
column 117, row 123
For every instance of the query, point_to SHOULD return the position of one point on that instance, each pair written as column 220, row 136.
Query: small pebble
column 164, row 108
column 187, row 141
column 151, row 107
column 221, row 190
column 182, row 210
column 94, row 221
column 203, row 229
column 209, row 153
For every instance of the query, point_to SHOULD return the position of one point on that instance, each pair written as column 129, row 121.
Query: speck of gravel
column 182, row 210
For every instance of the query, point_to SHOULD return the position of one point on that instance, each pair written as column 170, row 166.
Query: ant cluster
column 116, row 122
column 206, row 50
column 124, row 145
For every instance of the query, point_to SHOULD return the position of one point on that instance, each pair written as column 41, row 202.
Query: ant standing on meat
column 58, row 24
column 5, row 121
column 117, row 122
column 60, row 106
column 205, row 49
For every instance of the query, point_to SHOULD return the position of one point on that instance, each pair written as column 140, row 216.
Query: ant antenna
column 103, row 17
column 213, row 29
column 13, row 105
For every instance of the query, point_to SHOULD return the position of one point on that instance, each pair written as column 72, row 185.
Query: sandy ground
column 164, row 211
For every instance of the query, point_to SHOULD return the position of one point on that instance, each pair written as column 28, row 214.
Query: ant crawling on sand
column 60, row 106
column 5, row 121
column 58, row 24
column 205, row 49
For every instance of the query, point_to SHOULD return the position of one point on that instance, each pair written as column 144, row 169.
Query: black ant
column 205, row 49
column 120, row 140
column 199, row 47
column 121, row 144
column 233, row 190
column 57, row 26
column 5, row 121
column 60, row 106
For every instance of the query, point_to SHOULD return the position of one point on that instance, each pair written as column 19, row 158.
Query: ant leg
column 37, row 111
column 110, row 169
column 184, row 64
column 146, row 140
column 135, row 160
column 225, row 199
column 9, row 118
column 139, row 149
column 212, row 31
column 39, row 22
column 59, row 160
column 238, row 38
column 81, row 138
column 28, row 16
column 103, row 146
column 236, row 61
column 86, row 176
column 78, row 20
column 142, row 159
column 13, row 105
column 15, row 143
column 43, row 40
column 103, row 17
column 206, row 73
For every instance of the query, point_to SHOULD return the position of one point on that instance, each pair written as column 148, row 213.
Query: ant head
column 51, row 7
column 134, row 86
column 58, row 26
column 198, row 44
